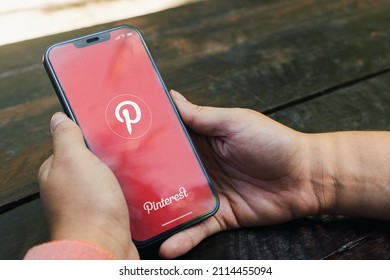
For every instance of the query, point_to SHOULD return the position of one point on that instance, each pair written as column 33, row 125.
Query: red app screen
column 118, row 99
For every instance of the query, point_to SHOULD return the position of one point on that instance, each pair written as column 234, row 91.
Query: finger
column 67, row 136
column 185, row 240
column 206, row 120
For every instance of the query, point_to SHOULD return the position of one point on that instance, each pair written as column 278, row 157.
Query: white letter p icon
column 126, row 114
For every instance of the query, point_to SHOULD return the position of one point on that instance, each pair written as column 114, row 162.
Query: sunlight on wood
column 30, row 19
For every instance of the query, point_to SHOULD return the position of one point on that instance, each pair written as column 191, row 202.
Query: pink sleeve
column 68, row 250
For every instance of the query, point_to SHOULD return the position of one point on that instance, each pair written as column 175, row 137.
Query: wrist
column 349, row 173
column 321, row 170
column 119, row 244
column 68, row 250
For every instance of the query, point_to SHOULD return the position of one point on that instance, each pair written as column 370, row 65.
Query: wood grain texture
column 301, row 239
column 362, row 106
column 313, row 65
column 263, row 55
column 20, row 229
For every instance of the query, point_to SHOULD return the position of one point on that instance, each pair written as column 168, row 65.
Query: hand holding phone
column 82, row 198
column 109, row 85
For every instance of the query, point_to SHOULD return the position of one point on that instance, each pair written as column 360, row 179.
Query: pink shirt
column 68, row 250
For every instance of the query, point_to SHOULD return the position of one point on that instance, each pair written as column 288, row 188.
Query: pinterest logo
column 128, row 116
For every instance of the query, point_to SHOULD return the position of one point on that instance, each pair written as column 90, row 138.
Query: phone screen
column 109, row 84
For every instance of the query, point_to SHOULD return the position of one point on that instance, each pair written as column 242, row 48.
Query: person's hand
column 81, row 196
column 258, row 166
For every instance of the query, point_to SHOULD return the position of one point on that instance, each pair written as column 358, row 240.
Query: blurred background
column 27, row 19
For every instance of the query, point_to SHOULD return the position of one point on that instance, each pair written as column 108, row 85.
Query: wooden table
column 313, row 65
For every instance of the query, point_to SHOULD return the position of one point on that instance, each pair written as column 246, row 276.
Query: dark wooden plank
column 263, row 55
column 301, row 239
column 20, row 229
column 375, row 246
column 363, row 106
column 247, row 53
column 25, row 144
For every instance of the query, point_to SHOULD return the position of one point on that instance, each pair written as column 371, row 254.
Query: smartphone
column 108, row 83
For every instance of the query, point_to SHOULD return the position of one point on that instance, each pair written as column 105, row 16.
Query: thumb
column 183, row 241
column 67, row 136
column 205, row 120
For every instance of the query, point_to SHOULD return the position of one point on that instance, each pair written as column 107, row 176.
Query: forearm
column 350, row 173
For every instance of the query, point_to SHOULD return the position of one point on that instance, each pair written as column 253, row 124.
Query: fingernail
column 177, row 96
column 57, row 119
